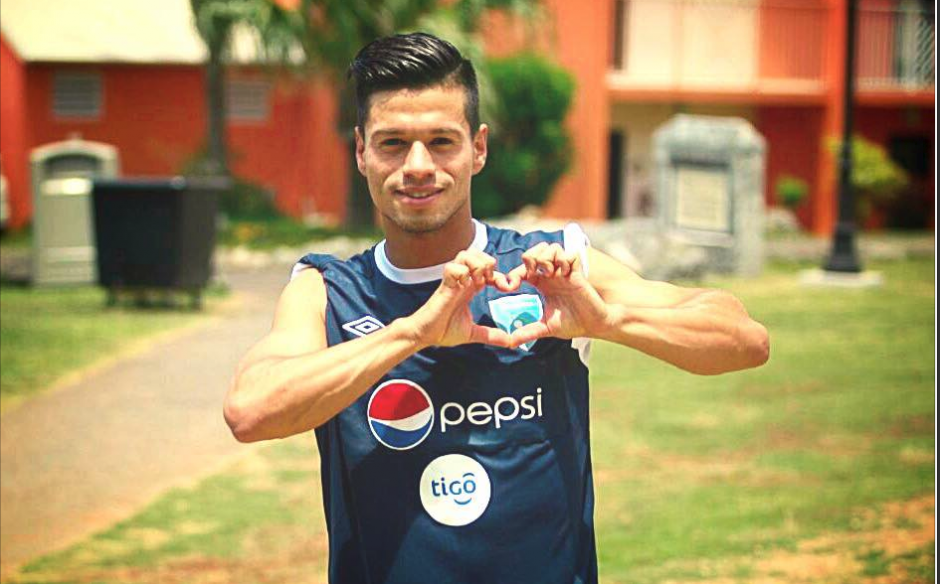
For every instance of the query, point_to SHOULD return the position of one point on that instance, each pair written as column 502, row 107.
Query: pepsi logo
column 400, row 414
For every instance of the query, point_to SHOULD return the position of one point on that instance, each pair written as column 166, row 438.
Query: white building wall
column 690, row 43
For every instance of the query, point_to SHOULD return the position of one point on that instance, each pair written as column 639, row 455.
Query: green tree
column 216, row 21
column 329, row 33
column 530, row 148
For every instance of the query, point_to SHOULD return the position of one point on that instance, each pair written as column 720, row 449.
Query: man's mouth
column 418, row 194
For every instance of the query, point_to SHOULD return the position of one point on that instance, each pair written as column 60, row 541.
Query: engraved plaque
column 703, row 198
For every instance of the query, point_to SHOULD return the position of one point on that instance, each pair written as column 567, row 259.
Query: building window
column 76, row 95
column 248, row 100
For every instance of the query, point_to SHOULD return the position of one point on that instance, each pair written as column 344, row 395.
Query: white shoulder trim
column 298, row 267
column 422, row 275
column 577, row 241
column 583, row 346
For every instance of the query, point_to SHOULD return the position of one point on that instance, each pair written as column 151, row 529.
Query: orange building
column 777, row 63
column 130, row 74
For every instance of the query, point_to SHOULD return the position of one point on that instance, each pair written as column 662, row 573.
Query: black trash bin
column 156, row 233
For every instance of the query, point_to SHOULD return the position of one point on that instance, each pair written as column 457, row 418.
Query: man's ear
column 479, row 148
column 360, row 151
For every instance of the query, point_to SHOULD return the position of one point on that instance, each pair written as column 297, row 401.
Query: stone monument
column 709, row 180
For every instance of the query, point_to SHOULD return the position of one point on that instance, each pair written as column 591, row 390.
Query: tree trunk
column 359, row 209
column 217, row 156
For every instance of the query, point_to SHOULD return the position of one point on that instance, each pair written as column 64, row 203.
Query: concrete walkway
column 75, row 460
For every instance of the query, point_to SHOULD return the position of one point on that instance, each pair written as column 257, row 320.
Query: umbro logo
column 363, row 326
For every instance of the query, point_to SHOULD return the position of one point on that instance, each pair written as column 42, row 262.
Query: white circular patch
column 455, row 489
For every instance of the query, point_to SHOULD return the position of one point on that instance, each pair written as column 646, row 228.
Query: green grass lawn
column 49, row 332
column 818, row 467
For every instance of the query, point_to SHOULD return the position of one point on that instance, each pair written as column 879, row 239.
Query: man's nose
column 419, row 165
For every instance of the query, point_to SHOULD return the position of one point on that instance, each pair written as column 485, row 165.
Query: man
column 444, row 370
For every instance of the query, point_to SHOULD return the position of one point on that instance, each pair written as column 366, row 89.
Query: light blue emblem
column 512, row 312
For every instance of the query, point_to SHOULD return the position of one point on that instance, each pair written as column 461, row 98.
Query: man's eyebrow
column 378, row 134
column 391, row 132
column 445, row 131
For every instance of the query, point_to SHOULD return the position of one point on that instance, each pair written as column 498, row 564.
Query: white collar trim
column 422, row 275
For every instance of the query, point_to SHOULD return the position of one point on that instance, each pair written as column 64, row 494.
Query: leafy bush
column 244, row 201
column 530, row 148
column 791, row 191
column 247, row 200
column 876, row 179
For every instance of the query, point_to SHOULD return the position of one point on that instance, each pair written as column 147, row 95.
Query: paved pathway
column 75, row 460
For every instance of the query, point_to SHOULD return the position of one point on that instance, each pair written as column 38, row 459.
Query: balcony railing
column 896, row 46
column 768, row 46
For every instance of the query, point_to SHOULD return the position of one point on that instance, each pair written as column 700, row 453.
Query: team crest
column 513, row 312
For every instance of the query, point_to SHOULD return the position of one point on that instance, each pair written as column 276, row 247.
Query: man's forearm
column 280, row 397
column 708, row 334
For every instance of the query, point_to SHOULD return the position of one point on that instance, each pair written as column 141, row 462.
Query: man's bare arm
column 700, row 330
column 291, row 381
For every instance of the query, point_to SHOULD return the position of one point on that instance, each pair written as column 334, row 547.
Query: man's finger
column 531, row 260
column 566, row 261
column 546, row 265
column 503, row 282
column 490, row 336
column 516, row 276
column 529, row 333
column 574, row 262
column 456, row 275
column 556, row 255
column 481, row 265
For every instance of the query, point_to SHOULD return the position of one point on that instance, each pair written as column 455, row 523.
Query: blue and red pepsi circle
column 400, row 414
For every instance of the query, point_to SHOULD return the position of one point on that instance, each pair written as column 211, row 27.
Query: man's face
column 418, row 155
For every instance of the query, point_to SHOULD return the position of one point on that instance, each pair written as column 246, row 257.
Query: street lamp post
column 843, row 256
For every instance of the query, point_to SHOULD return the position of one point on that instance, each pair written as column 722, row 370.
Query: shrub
column 791, row 191
column 244, row 201
column 876, row 179
column 530, row 148
column 247, row 200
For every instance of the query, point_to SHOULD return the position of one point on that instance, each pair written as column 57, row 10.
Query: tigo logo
column 400, row 414
column 455, row 490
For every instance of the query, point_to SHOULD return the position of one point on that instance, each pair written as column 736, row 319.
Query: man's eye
column 441, row 142
column 392, row 142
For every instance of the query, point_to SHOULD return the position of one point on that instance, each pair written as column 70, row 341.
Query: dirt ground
column 893, row 552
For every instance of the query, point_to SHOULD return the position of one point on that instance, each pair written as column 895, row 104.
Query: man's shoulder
column 507, row 239
column 328, row 264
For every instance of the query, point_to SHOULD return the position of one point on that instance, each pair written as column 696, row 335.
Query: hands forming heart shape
column 573, row 308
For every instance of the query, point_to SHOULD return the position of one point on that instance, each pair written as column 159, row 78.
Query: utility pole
column 843, row 256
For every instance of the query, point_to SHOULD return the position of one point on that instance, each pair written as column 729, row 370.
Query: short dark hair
column 413, row 61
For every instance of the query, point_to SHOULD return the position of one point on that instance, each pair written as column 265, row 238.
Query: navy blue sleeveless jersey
column 467, row 464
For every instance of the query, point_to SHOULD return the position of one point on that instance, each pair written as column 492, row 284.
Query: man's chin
column 419, row 225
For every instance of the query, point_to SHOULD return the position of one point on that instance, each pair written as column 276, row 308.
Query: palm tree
column 329, row 33
column 276, row 30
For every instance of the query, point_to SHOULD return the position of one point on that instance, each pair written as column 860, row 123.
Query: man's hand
column 445, row 319
column 573, row 308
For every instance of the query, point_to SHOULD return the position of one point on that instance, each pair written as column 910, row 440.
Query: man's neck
column 419, row 250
